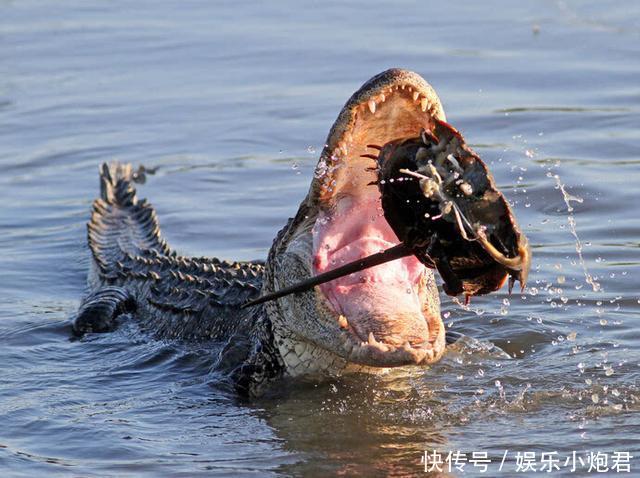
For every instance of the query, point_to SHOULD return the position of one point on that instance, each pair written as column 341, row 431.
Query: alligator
column 381, row 317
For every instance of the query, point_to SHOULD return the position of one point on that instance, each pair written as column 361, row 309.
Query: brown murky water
column 232, row 103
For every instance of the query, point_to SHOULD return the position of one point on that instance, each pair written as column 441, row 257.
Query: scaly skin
column 175, row 297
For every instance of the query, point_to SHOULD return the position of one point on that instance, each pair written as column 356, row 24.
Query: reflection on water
column 231, row 104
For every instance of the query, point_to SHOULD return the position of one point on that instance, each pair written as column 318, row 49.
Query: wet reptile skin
column 135, row 273
column 174, row 297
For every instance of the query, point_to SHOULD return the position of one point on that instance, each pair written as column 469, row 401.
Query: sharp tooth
column 407, row 346
column 336, row 153
column 342, row 321
column 424, row 104
column 381, row 98
column 379, row 345
column 416, row 94
column 402, row 87
column 372, row 106
column 343, row 147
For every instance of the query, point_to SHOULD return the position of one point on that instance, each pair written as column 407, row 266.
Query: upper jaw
column 416, row 105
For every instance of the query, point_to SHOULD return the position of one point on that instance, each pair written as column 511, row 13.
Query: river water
column 232, row 103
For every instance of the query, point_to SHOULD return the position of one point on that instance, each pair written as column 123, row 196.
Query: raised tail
column 116, row 183
column 121, row 224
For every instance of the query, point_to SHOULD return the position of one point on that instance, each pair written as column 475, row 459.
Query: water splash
column 568, row 199
column 467, row 307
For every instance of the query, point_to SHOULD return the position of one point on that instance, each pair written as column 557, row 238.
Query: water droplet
column 504, row 309
column 561, row 279
column 595, row 398
column 480, row 372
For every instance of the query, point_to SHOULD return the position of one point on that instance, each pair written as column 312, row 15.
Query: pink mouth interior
column 356, row 228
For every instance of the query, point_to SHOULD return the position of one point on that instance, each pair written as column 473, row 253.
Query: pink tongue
column 355, row 230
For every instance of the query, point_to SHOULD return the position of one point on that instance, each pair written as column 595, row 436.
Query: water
column 232, row 103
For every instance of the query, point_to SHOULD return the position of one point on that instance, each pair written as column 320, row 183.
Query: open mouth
column 390, row 312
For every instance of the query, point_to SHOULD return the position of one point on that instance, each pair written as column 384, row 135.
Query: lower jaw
column 306, row 359
column 394, row 315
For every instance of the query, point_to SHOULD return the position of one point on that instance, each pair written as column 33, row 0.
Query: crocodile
column 385, row 316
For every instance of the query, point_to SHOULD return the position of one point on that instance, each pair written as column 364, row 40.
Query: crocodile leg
column 100, row 310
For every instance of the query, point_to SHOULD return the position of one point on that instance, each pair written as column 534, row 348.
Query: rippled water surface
column 232, row 103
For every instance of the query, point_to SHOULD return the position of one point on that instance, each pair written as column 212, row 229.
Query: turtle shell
column 441, row 200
